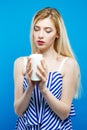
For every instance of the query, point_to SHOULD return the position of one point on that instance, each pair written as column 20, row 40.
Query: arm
column 21, row 99
column 62, row 107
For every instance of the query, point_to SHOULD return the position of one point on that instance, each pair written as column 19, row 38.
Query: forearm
column 58, row 106
column 22, row 103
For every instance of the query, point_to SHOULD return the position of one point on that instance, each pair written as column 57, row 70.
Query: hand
column 42, row 74
column 29, row 72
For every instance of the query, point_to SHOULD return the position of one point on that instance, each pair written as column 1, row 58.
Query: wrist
column 44, row 90
column 30, row 88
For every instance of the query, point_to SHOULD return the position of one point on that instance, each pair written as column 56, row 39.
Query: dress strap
column 25, row 63
column 61, row 65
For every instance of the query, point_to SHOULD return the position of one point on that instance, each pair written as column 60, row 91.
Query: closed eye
column 48, row 30
column 36, row 28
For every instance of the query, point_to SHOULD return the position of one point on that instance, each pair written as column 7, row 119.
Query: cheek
column 51, row 38
column 34, row 36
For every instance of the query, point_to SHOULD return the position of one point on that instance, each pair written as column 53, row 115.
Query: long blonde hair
column 61, row 44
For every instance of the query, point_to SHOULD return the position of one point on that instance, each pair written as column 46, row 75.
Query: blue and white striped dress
column 39, row 116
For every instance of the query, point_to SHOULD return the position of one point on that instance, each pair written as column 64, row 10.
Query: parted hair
column 61, row 44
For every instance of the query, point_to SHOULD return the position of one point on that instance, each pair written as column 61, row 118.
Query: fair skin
column 44, row 36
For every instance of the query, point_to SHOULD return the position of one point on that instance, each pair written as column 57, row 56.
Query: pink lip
column 40, row 42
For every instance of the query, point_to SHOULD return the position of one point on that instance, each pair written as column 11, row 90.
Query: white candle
column 35, row 60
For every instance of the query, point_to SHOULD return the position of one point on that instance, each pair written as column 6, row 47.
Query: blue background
column 15, row 20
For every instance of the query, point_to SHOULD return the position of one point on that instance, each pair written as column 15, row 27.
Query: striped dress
column 39, row 115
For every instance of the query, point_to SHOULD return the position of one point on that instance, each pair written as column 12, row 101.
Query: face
column 44, row 34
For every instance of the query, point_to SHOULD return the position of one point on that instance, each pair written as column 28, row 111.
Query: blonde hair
column 61, row 44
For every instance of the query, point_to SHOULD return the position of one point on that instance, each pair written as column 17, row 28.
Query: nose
column 41, row 34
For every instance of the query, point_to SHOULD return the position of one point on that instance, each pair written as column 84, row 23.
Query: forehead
column 46, row 22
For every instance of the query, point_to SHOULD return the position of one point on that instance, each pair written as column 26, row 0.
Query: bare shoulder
column 71, row 62
column 71, row 66
column 19, row 64
column 18, row 61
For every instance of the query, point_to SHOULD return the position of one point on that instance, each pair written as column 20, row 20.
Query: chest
column 53, row 65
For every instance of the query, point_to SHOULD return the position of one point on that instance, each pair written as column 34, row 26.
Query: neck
column 49, row 53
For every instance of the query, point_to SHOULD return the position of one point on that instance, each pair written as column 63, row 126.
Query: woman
column 47, row 104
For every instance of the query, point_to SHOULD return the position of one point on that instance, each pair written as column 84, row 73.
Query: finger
column 41, row 70
column 28, row 75
column 43, row 78
column 28, row 66
column 28, row 59
column 44, row 65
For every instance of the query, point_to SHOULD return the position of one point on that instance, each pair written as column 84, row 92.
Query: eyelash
column 37, row 29
column 48, row 31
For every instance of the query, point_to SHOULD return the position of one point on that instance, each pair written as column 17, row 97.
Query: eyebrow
column 44, row 27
